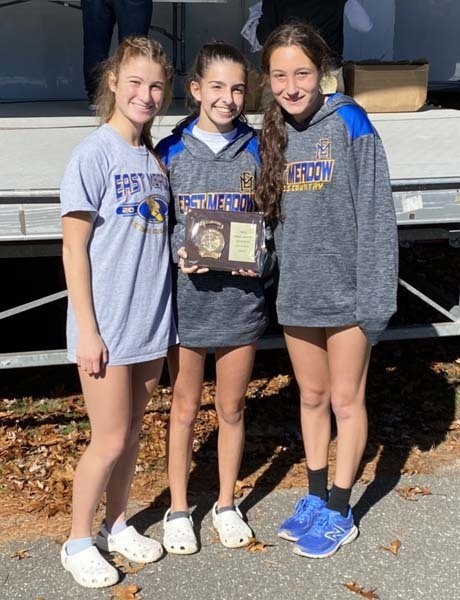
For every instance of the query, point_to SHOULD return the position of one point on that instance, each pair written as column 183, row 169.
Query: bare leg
column 186, row 367
column 308, row 354
column 349, row 354
column 233, row 369
column 108, row 404
column 145, row 378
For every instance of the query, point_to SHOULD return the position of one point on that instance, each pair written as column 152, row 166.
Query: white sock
column 77, row 545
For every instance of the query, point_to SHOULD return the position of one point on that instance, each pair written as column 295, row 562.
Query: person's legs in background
column 133, row 17
column 98, row 23
column 99, row 17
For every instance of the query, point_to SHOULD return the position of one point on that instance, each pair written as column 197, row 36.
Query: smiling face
column 294, row 82
column 220, row 94
column 139, row 92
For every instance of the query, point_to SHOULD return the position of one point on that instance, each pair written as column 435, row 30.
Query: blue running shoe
column 329, row 531
column 300, row 522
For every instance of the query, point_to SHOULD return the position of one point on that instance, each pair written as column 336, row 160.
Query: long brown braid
column 273, row 138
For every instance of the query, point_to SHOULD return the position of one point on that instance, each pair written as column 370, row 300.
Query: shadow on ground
column 411, row 405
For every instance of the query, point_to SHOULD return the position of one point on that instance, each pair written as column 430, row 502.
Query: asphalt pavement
column 425, row 567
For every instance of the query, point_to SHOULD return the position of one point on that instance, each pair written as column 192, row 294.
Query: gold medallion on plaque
column 209, row 240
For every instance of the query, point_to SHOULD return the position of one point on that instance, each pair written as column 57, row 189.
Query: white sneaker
column 233, row 531
column 89, row 568
column 179, row 536
column 131, row 544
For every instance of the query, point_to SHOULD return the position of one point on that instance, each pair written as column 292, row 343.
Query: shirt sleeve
column 377, row 258
column 84, row 181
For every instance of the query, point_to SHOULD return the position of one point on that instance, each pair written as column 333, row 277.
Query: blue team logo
column 153, row 208
column 324, row 150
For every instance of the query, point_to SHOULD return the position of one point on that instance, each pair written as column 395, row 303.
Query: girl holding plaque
column 325, row 183
column 115, row 204
column 212, row 158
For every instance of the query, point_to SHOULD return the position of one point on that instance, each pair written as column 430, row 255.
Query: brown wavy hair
column 132, row 47
column 273, row 137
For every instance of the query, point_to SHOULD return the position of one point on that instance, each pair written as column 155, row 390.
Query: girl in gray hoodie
column 212, row 160
column 325, row 182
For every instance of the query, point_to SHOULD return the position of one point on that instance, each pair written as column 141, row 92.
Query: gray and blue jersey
column 127, row 193
column 214, row 309
column 337, row 243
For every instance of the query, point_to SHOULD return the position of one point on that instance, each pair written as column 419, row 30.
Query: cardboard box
column 387, row 87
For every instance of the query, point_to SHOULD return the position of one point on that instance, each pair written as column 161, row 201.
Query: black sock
column 317, row 482
column 339, row 499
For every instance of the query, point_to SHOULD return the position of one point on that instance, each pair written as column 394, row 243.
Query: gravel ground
column 426, row 565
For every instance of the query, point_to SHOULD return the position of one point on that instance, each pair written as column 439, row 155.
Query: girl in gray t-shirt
column 115, row 205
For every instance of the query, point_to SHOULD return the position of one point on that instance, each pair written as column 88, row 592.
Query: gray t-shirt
column 128, row 194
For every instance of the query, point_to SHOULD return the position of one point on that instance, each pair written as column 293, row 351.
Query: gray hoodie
column 337, row 240
column 214, row 309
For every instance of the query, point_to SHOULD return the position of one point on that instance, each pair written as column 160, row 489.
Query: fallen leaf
column 50, row 441
column 357, row 589
column 215, row 537
column 60, row 539
column 254, row 545
column 126, row 567
column 437, row 367
column 67, row 474
column 412, row 491
column 394, row 547
column 241, row 488
column 126, row 592
column 21, row 554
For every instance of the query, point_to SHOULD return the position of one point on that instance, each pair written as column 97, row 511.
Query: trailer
column 43, row 116
column 423, row 151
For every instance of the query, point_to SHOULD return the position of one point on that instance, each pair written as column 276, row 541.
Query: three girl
column 115, row 205
column 325, row 183
column 212, row 154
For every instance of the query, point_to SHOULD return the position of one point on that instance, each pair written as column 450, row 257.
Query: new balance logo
column 335, row 534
